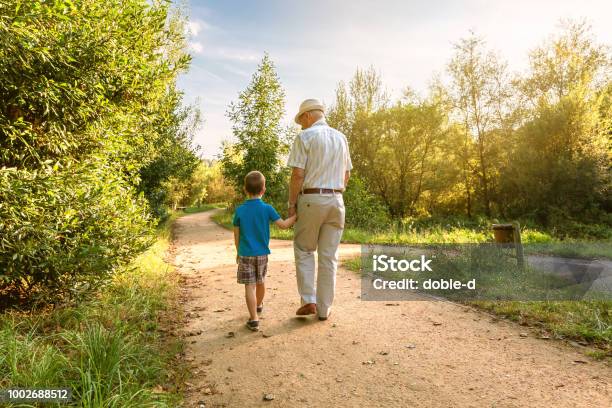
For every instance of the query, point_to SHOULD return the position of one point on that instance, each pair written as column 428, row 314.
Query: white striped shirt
column 323, row 153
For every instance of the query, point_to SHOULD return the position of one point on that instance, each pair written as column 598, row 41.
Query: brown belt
column 320, row 191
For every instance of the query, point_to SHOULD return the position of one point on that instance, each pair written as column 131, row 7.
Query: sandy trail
column 368, row 354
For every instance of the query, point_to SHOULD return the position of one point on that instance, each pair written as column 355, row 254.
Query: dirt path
column 368, row 354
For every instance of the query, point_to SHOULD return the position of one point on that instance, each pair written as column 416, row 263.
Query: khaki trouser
column 318, row 228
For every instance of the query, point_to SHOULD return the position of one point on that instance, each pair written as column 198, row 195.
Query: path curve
column 369, row 354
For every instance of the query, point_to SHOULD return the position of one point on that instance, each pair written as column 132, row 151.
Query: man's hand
column 292, row 211
column 295, row 184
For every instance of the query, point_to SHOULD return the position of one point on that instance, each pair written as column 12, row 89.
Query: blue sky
column 315, row 44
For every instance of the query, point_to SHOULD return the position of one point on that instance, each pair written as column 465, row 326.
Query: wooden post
column 518, row 245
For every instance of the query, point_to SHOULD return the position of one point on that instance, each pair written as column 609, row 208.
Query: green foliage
column 216, row 187
column 261, row 141
column 83, row 77
column 478, row 91
column 406, row 152
column 535, row 147
column 561, row 163
column 89, row 114
column 67, row 229
column 169, row 179
column 589, row 321
column 108, row 348
column 205, row 185
column 364, row 209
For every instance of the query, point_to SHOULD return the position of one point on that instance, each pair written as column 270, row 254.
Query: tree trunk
column 485, row 183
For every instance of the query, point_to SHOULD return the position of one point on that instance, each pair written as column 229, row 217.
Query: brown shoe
column 307, row 309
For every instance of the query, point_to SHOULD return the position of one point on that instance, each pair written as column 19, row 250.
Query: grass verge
column 204, row 207
column 542, row 243
column 585, row 322
column 111, row 350
column 359, row 236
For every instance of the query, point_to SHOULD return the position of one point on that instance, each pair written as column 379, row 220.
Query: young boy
column 252, row 237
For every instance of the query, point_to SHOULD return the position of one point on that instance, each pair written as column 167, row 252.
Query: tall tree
column 478, row 88
column 364, row 96
column 567, row 62
column 256, row 126
column 562, row 159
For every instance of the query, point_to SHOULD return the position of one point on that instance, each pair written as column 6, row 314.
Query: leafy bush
column 67, row 228
column 109, row 348
column 535, row 237
column 216, row 188
column 363, row 209
column 79, row 78
column 89, row 118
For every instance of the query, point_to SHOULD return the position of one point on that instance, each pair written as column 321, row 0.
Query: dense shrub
column 216, row 188
column 87, row 101
column 363, row 209
column 67, row 229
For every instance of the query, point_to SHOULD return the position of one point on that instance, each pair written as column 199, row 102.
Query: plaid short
column 252, row 269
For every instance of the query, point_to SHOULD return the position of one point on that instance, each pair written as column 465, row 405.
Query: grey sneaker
column 253, row 325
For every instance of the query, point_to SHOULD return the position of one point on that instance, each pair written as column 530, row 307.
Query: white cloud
column 237, row 54
column 196, row 47
column 193, row 28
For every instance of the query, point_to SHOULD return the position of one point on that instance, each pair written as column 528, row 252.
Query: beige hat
column 308, row 105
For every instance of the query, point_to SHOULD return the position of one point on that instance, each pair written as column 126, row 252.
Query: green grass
column 572, row 248
column 204, row 207
column 223, row 218
column 589, row 322
column 359, row 236
column 108, row 350
column 537, row 242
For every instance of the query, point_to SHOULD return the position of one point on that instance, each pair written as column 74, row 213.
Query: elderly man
column 321, row 168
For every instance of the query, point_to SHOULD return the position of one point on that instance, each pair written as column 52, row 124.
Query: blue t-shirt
column 253, row 218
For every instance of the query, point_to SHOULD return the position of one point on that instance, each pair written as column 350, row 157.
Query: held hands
column 287, row 223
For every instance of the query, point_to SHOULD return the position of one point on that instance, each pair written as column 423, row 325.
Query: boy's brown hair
column 254, row 182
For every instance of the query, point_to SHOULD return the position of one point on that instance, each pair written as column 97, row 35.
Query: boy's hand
column 284, row 224
column 291, row 221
